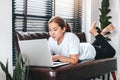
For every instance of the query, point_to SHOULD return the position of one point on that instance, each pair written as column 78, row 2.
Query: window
column 70, row 10
column 33, row 15
column 65, row 10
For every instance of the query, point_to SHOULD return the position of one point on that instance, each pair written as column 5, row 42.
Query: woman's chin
column 55, row 39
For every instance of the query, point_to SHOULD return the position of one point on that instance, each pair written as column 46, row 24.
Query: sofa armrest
column 80, row 71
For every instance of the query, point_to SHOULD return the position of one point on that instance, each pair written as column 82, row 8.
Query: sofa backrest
column 39, row 35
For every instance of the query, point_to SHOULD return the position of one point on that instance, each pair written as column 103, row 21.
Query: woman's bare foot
column 110, row 27
column 93, row 30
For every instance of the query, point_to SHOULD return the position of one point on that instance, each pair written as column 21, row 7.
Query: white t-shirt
column 71, row 45
column 87, row 51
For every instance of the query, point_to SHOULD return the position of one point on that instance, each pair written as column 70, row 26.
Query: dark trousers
column 103, row 48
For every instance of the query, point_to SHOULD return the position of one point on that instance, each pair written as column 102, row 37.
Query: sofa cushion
column 39, row 35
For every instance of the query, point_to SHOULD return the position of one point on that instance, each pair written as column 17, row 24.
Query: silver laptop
column 37, row 53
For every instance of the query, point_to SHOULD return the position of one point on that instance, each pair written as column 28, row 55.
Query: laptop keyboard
column 55, row 63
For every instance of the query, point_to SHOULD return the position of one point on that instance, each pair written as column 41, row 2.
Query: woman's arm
column 73, row 59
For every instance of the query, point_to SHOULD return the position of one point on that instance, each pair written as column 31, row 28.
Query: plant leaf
column 5, row 69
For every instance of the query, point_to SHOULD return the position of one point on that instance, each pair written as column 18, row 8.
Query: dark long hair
column 61, row 22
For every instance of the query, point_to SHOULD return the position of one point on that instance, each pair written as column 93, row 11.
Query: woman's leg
column 110, row 27
column 93, row 31
column 103, row 48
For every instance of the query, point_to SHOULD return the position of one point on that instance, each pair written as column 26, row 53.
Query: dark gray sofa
column 82, row 71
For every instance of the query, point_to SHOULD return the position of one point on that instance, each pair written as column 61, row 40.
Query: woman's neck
column 60, row 40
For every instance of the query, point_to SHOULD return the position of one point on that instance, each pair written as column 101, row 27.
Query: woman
column 66, row 46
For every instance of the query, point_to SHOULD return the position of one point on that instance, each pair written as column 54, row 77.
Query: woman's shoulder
column 70, row 35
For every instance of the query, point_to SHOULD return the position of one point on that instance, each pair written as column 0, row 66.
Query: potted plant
column 20, row 72
column 104, row 17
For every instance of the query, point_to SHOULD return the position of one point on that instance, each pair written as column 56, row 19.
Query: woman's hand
column 55, row 57
column 73, row 59
column 59, row 57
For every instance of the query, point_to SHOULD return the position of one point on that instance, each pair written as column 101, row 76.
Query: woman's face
column 56, row 32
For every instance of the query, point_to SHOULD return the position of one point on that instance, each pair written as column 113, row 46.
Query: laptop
column 37, row 53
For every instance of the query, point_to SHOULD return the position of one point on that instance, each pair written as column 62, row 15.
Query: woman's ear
column 64, row 29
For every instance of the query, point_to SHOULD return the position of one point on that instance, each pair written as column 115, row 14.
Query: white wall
column 5, row 34
column 91, row 14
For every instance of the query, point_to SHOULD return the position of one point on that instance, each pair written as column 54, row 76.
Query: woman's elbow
column 74, row 62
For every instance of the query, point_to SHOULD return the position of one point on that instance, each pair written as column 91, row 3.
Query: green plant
column 5, row 69
column 21, row 69
column 20, row 72
column 104, row 17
